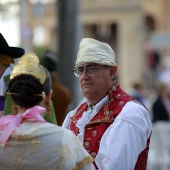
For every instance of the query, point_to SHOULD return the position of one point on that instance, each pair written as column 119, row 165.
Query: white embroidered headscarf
column 94, row 51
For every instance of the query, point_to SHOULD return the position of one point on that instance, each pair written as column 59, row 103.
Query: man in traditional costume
column 114, row 127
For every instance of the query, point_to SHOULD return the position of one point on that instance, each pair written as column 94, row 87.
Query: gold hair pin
column 29, row 64
column 17, row 94
column 43, row 94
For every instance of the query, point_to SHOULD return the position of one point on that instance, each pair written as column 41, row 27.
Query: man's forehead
column 89, row 64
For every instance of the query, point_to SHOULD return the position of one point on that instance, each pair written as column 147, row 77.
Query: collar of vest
column 103, row 115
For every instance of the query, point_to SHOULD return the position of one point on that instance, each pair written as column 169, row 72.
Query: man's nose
column 85, row 74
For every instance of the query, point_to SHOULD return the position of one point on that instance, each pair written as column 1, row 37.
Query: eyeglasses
column 89, row 70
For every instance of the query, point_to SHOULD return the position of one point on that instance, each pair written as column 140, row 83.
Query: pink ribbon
column 9, row 123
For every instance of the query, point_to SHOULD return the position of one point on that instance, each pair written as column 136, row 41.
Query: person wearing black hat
column 7, row 56
column 61, row 104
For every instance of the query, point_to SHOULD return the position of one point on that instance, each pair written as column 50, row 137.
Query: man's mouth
column 86, row 84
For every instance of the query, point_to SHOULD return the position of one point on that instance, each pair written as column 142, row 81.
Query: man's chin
column 87, row 92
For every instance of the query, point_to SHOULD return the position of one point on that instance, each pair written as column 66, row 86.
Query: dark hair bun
column 24, row 87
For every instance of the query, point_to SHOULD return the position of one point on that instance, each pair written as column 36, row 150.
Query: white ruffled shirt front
column 123, row 141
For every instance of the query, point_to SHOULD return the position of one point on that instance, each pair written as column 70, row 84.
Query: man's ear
column 48, row 97
column 113, row 70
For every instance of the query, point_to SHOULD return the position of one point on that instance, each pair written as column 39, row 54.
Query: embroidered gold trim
column 84, row 162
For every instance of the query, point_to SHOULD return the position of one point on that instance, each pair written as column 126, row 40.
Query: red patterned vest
column 95, row 129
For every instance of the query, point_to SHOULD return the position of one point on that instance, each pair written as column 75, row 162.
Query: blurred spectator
column 153, row 58
column 61, row 97
column 140, row 93
column 164, row 74
column 161, row 106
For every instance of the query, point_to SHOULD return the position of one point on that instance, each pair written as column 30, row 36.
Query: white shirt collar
column 99, row 105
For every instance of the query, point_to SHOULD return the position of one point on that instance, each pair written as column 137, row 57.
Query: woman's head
column 26, row 90
column 162, row 90
column 30, row 82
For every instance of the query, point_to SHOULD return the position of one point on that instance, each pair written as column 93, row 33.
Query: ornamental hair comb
column 29, row 64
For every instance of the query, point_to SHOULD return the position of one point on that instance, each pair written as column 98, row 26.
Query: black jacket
column 159, row 111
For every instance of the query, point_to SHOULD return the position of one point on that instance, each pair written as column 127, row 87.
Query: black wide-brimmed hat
column 14, row 52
